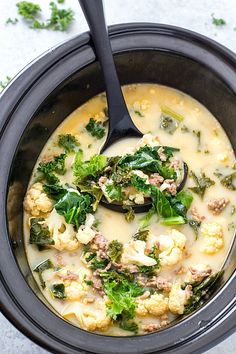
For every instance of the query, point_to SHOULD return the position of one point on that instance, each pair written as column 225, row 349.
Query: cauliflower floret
column 178, row 298
column 171, row 247
column 36, row 201
column 148, row 139
column 137, row 198
column 134, row 253
column 75, row 286
column 92, row 316
column 156, row 305
column 85, row 233
column 213, row 237
column 62, row 233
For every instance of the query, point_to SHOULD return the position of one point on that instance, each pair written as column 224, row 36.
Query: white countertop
column 19, row 45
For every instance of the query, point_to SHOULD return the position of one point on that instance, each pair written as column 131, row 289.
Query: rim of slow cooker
column 206, row 330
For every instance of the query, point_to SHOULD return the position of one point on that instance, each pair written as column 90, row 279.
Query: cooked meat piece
column 196, row 216
column 216, row 206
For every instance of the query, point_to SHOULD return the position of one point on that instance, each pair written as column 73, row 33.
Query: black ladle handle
column 120, row 123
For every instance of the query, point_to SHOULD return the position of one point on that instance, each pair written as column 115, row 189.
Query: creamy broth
column 208, row 153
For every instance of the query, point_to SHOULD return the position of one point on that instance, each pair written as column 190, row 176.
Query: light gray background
column 19, row 45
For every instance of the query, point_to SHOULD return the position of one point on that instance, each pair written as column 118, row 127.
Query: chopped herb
column 68, row 142
column 115, row 249
column 218, row 21
column 138, row 113
column 12, row 21
column 141, row 235
column 197, row 133
column 74, row 206
column 3, row 84
column 47, row 264
column 201, row 291
column 184, row 129
column 202, row 183
column 60, row 19
column 28, row 10
column 58, row 291
column 95, row 128
column 39, row 233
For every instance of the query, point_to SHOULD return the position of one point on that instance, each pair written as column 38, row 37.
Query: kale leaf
column 115, row 249
column 201, row 291
column 84, row 169
column 68, row 142
column 58, row 291
column 141, row 235
column 40, row 268
column 54, row 191
column 39, row 234
column 74, row 206
column 48, row 169
column 122, row 294
column 95, row 128
column 202, row 183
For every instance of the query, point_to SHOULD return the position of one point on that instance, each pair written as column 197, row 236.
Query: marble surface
column 19, row 45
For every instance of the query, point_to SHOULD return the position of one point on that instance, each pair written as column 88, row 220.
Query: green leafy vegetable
column 146, row 219
column 12, row 21
column 138, row 113
column 201, row 291
column 115, row 249
column 94, row 190
column 127, row 324
column 141, row 235
column 84, row 169
column 3, row 84
column 168, row 124
column 74, row 207
column 39, row 233
column 96, row 263
column 48, row 169
column 195, row 226
column 129, row 215
column 58, row 291
column 28, row 10
column 218, row 21
column 202, row 183
column 60, row 19
column 68, row 142
column 182, row 202
column 95, row 128
column 161, row 203
column 228, row 181
column 113, row 192
column 54, row 191
column 173, row 220
column 197, row 133
column 149, row 269
column 122, row 294
column 47, row 264
column 167, row 111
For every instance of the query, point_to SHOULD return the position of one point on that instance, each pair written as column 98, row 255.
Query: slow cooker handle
column 120, row 122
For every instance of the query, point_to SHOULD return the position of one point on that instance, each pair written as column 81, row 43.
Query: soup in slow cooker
column 132, row 273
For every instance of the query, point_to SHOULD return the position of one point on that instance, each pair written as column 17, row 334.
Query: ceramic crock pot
column 31, row 108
